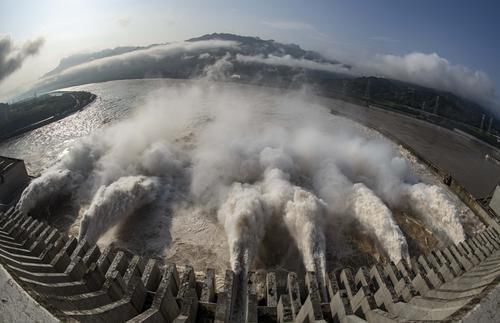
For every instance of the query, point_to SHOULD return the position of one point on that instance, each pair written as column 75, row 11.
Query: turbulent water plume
column 374, row 215
column 244, row 220
column 53, row 183
column 304, row 216
column 63, row 178
column 116, row 201
column 433, row 205
column 245, row 159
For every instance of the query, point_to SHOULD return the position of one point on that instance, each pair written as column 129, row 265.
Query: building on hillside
column 13, row 179
column 4, row 116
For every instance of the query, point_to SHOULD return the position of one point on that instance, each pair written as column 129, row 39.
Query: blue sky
column 465, row 33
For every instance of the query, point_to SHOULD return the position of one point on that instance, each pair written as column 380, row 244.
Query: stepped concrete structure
column 46, row 276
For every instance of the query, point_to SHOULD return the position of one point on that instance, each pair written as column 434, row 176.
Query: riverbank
column 29, row 115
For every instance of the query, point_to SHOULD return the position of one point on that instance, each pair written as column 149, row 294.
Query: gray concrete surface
column 16, row 305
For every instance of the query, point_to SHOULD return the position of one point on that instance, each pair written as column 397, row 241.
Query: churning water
column 220, row 175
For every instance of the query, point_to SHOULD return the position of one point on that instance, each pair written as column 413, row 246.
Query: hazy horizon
column 426, row 43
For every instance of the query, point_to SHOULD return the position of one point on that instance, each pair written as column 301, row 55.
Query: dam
column 62, row 278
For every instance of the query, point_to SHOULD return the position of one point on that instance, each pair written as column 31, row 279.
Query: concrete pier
column 61, row 278
column 46, row 276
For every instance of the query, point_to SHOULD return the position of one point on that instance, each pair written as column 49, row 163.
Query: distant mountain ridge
column 258, row 46
column 249, row 46
column 263, row 62
column 181, row 60
column 81, row 58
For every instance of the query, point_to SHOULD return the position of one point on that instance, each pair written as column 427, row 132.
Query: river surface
column 462, row 157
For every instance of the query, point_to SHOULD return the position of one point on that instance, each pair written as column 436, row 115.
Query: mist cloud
column 150, row 55
column 139, row 63
column 434, row 71
column 12, row 57
column 429, row 70
column 289, row 61
column 251, row 160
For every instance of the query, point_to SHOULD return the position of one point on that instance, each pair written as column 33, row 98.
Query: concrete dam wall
column 47, row 276
column 77, row 281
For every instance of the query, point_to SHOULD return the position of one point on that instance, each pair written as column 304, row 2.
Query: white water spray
column 52, row 183
column 115, row 202
column 65, row 177
column 244, row 219
column 374, row 215
column 247, row 158
column 432, row 204
column 304, row 216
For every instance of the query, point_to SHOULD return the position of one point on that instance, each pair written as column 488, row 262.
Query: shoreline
column 49, row 120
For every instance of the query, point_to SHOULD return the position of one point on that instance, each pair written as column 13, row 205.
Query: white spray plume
column 63, row 178
column 374, row 215
column 303, row 213
column 304, row 216
column 432, row 204
column 243, row 155
column 356, row 201
column 244, row 219
column 115, row 202
column 277, row 191
column 146, row 59
column 53, row 183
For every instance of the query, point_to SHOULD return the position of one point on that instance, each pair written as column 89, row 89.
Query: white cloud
column 140, row 60
column 433, row 71
column 12, row 57
column 429, row 70
column 289, row 61
column 156, row 53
